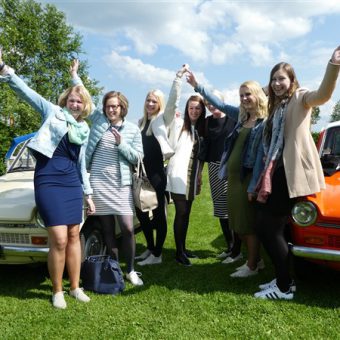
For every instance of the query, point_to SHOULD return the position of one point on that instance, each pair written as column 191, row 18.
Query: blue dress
column 58, row 190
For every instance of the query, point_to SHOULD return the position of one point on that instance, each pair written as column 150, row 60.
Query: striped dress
column 109, row 197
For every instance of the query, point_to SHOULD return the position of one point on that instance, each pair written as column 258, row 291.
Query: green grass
column 198, row 302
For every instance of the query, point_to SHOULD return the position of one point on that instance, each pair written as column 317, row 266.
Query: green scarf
column 77, row 132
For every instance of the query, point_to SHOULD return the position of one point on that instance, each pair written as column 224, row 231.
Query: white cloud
column 203, row 31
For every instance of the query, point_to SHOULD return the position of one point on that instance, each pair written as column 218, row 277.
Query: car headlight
column 39, row 220
column 304, row 213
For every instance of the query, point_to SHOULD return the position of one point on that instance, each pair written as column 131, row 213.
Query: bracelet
column 2, row 65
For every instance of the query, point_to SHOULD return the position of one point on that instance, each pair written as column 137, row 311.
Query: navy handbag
column 102, row 274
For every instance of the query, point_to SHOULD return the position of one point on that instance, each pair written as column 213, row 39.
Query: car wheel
column 92, row 242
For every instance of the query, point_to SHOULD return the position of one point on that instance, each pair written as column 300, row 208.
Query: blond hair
column 261, row 100
column 159, row 95
column 85, row 96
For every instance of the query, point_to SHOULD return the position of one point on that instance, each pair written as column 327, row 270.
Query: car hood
column 17, row 197
column 328, row 200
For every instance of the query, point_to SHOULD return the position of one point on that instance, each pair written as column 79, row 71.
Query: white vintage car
column 23, row 236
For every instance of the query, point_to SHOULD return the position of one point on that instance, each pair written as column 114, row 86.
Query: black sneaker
column 182, row 259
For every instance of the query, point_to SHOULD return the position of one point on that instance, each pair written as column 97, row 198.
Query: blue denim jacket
column 252, row 154
column 53, row 127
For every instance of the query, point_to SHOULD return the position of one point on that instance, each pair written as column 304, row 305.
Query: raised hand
column 74, row 67
column 182, row 70
column 191, row 79
column 336, row 56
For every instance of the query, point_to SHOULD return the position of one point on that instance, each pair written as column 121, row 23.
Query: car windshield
column 21, row 159
column 330, row 155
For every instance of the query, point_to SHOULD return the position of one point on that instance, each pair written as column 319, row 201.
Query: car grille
column 14, row 238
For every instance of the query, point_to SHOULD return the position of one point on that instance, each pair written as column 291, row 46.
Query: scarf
column 273, row 148
column 78, row 132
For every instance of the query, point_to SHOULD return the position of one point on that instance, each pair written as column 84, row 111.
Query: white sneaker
column 230, row 259
column 143, row 255
column 274, row 293
column 260, row 265
column 273, row 282
column 133, row 277
column 79, row 295
column 58, row 300
column 244, row 272
column 223, row 255
column 152, row 259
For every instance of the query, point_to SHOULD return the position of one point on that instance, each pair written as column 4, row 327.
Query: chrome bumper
column 8, row 251
column 316, row 253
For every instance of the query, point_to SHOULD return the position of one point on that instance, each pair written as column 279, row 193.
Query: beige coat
column 300, row 156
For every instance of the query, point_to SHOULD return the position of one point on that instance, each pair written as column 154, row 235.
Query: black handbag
column 102, row 274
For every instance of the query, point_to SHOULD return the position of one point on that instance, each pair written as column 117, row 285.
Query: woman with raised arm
column 184, row 172
column 217, row 126
column 114, row 146
column 60, row 177
column 292, row 166
column 154, row 127
column 237, row 164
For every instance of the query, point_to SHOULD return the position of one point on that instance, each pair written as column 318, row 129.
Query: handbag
column 144, row 194
column 102, row 274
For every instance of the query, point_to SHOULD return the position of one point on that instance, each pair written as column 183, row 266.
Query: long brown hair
column 200, row 123
column 272, row 99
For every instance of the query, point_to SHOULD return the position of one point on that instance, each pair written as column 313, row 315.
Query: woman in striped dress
column 217, row 127
column 114, row 145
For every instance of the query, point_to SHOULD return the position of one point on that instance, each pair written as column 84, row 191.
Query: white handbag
column 144, row 194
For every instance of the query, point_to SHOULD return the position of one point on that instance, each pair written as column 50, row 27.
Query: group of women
column 260, row 156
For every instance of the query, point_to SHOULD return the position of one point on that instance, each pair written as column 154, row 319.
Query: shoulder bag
column 144, row 194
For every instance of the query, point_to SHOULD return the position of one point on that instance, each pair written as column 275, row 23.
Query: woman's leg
column 73, row 255
column 128, row 240
column 57, row 236
column 159, row 223
column 147, row 228
column 227, row 233
column 253, row 247
column 270, row 230
column 181, row 223
column 108, row 226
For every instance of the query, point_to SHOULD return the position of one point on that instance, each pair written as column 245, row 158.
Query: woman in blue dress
column 60, row 177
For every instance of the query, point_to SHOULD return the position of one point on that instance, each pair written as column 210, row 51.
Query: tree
column 335, row 116
column 39, row 45
column 315, row 115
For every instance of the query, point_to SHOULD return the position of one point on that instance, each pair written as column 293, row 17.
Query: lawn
column 176, row 302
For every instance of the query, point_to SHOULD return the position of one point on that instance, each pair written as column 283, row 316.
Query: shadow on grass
column 24, row 281
column 208, row 275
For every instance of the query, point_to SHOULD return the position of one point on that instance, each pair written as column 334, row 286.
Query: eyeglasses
column 113, row 107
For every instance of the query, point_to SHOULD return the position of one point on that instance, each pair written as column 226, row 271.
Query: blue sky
column 136, row 46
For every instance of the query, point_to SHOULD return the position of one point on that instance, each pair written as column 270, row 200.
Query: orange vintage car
column 315, row 222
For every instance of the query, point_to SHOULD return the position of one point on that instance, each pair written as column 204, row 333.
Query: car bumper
column 22, row 254
column 316, row 253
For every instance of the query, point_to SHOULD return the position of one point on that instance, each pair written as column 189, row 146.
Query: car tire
column 92, row 240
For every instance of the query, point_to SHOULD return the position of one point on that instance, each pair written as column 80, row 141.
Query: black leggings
column 270, row 229
column 231, row 238
column 158, row 222
column 181, row 221
column 128, row 237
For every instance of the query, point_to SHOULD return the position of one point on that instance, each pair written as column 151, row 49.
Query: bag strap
column 140, row 170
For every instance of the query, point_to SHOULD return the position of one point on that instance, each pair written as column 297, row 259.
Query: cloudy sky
column 135, row 46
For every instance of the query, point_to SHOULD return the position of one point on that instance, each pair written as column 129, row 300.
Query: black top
column 217, row 130
column 153, row 160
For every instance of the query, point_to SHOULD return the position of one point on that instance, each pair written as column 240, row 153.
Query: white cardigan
column 177, row 170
